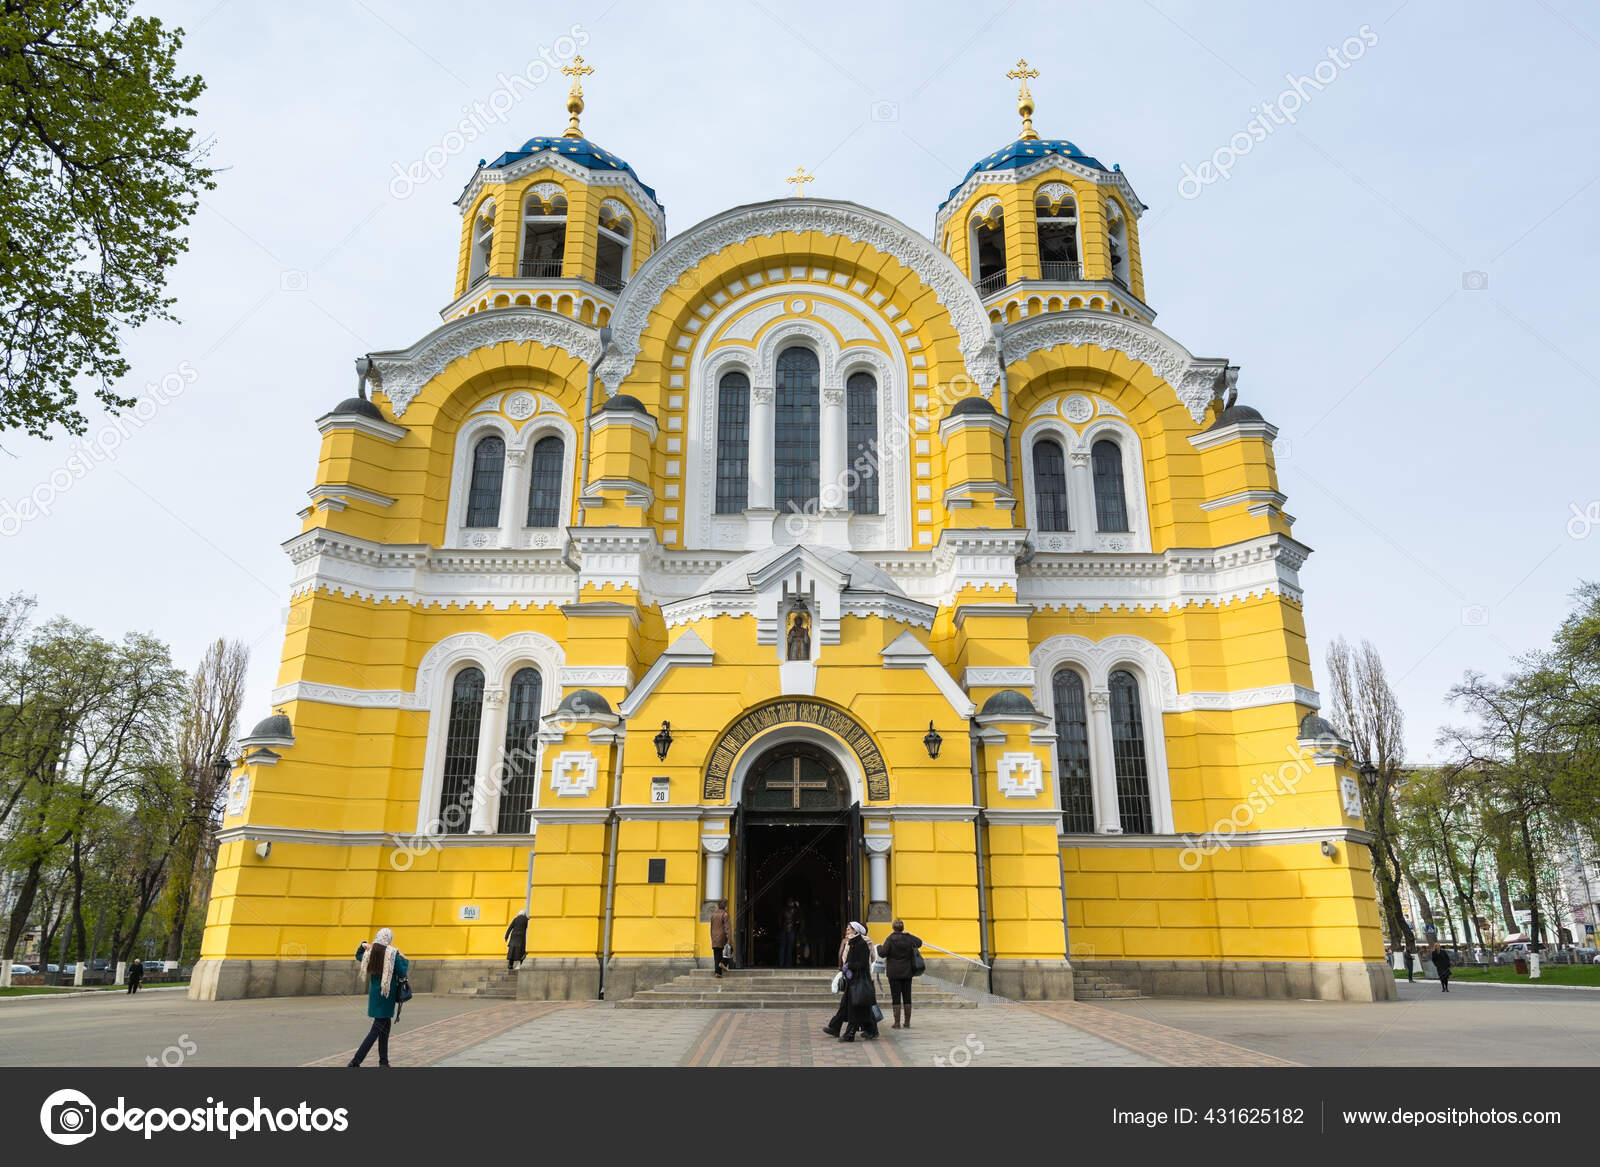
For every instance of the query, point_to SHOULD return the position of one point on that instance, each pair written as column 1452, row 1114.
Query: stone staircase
column 774, row 988
column 495, row 986
column 1091, row 986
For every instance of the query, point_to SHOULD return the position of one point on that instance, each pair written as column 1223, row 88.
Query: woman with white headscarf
column 383, row 965
column 860, row 998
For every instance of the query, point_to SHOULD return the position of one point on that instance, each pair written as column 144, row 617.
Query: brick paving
column 431, row 1044
column 1168, row 1046
column 591, row 1035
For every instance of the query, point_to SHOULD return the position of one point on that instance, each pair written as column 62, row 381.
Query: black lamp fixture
column 220, row 769
column 664, row 740
column 1369, row 775
column 933, row 741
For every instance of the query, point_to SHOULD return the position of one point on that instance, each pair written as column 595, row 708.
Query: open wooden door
column 852, row 867
column 743, row 933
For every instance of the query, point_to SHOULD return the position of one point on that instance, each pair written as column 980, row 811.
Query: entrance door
column 797, row 849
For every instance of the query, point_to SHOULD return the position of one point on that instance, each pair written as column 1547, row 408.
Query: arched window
column 797, row 432
column 733, row 443
column 521, row 752
column 613, row 247
column 1117, row 241
column 1110, row 500
column 1072, row 754
column 1058, row 238
column 545, row 471
column 862, row 458
column 1128, row 754
column 544, row 235
column 1050, row 486
column 989, row 252
column 482, row 245
column 461, row 751
column 488, row 471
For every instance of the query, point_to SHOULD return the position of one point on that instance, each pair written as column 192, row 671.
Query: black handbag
column 918, row 965
column 861, row 991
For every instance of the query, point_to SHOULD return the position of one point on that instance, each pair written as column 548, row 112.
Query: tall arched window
column 1072, row 754
column 613, row 246
column 797, row 432
column 733, row 443
column 1128, row 754
column 863, row 461
column 521, row 752
column 461, row 751
column 1110, row 500
column 488, row 471
column 1117, row 242
column 989, row 253
column 1058, row 239
column 482, row 244
column 1050, row 485
column 545, row 471
column 544, row 234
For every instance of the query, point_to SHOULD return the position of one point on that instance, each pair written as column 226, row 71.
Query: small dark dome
column 1313, row 728
column 1235, row 414
column 972, row 405
column 275, row 726
column 360, row 407
column 1008, row 701
column 583, row 702
column 624, row 403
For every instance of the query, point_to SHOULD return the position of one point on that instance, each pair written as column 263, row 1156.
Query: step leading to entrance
column 774, row 988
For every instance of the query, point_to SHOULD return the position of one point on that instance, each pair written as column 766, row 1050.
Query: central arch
column 796, row 720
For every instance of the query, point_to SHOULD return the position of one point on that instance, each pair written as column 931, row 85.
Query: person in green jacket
column 383, row 965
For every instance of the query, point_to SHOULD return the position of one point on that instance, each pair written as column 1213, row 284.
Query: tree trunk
column 1422, row 902
column 23, row 909
column 1504, row 888
column 182, row 867
column 1533, row 883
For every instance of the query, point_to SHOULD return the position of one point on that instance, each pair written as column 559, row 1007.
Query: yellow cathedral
column 806, row 561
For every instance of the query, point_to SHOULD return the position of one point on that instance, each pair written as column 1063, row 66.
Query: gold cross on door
column 795, row 783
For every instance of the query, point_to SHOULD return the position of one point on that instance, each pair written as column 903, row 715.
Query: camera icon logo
column 68, row 1117
column 294, row 280
column 1475, row 616
column 885, row 111
column 1474, row 281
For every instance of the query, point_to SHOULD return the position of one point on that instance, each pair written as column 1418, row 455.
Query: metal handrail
column 957, row 955
column 992, row 282
column 1060, row 269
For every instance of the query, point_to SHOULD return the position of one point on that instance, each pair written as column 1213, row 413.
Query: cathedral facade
column 808, row 562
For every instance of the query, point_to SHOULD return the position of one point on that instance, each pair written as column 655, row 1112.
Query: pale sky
column 1437, row 425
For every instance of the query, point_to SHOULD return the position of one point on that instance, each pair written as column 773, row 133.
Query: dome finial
column 577, row 71
column 799, row 178
column 1024, row 99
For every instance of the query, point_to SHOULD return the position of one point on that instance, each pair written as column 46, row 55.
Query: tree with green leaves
column 100, row 173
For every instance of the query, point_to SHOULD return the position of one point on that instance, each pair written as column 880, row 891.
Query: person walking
column 384, row 965
column 135, row 975
column 516, row 939
column 1441, row 965
column 860, row 996
column 899, row 952
column 788, row 933
column 721, row 936
column 1410, row 963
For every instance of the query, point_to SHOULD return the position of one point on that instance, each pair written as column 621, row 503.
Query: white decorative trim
column 1273, row 498
column 398, row 840
column 907, row 652
column 981, row 209
column 644, row 293
column 1020, row 775
column 328, row 492
column 401, row 374
column 384, row 430
column 782, row 734
column 686, row 651
column 1350, row 797
column 238, row 795
column 549, row 159
column 1206, row 439
column 975, row 678
column 1228, row 701
column 596, row 677
column 1215, row 841
column 1194, row 379
column 574, row 774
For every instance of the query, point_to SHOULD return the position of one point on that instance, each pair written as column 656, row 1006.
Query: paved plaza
column 1472, row 1026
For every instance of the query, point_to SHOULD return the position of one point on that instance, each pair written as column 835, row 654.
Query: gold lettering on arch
column 846, row 728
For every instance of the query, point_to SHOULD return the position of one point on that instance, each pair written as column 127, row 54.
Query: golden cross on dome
column 799, row 178
column 577, row 70
column 1024, row 99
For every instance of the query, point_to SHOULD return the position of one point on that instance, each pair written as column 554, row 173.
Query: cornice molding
column 1215, row 841
column 1193, row 378
column 1205, row 440
column 662, row 271
column 1174, row 578
column 383, row 430
column 400, row 374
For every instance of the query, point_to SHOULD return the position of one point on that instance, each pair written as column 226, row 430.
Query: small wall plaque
column 469, row 911
column 660, row 787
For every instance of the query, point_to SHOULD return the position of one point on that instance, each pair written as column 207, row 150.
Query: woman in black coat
column 860, row 997
column 516, row 940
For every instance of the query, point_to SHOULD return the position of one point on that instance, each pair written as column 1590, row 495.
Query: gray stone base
column 626, row 976
column 1290, row 980
column 230, row 980
column 559, row 978
column 1032, row 980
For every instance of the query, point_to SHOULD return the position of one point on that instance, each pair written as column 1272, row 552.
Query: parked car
column 23, row 970
column 70, row 969
column 99, row 966
column 55, row 968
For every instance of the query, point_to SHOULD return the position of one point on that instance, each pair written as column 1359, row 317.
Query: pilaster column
column 761, row 452
column 486, row 782
column 832, row 495
column 513, row 497
column 716, row 849
column 1080, row 501
column 878, row 877
column 1102, row 764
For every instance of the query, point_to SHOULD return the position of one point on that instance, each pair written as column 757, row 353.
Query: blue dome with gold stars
column 1023, row 152
column 579, row 150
